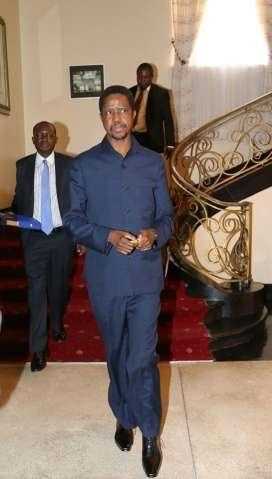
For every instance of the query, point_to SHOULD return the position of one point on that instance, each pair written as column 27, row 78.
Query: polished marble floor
column 217, row 423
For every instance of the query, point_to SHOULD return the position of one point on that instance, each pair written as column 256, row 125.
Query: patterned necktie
column 137, row 105
column 46, row 213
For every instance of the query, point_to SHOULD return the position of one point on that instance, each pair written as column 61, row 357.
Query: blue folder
column 20, row 221
column 28, row 223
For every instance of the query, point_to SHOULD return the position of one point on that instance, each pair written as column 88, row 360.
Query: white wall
column 55, row 34
column 11, row 126
column 261, row 237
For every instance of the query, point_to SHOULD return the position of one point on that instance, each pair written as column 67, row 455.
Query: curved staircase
column 213, row 172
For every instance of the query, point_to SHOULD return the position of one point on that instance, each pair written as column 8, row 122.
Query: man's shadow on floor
column 10, row 375
column 165, row 375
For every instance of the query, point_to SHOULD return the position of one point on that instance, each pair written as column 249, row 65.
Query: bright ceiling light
column 230, row 35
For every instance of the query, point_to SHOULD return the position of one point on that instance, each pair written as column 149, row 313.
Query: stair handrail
column 197, row 170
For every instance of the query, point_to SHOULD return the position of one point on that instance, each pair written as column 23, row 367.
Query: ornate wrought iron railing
column 213, row 237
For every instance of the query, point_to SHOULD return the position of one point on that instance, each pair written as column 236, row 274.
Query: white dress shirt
column 57, row 221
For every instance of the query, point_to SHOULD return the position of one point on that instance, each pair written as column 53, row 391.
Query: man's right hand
column 122, row 241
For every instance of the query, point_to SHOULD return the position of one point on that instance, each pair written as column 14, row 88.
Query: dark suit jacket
column 111, row 192
column 159, row 120
column 23, row 201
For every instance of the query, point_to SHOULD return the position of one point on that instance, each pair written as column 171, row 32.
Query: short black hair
column 116, row 90
column 146, row 66
column 44, row 122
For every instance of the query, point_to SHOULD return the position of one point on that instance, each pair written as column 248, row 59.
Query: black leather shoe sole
column 151, row 469
column 123, row 438
column 155, row 473
column 151, row 457
column 38, row 362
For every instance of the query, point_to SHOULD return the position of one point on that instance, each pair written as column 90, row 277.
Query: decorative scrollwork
column 212, row 236
column 206, row 160
column 214, row 241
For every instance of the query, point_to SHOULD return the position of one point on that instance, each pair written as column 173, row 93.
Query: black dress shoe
column 38, row 361
column 123, row 438
column 151, row 456
column 60, row 335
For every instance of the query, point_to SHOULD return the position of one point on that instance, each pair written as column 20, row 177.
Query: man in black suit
column 153, row 125
column 42, row 192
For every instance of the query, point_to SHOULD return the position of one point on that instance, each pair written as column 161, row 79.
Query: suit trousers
column 48, row 261
column 129, row 329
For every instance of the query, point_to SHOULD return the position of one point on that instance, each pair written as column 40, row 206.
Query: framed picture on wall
column 4, row 83
column 86, row 81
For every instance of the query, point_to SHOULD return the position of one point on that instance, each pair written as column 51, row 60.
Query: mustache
column 119, row 123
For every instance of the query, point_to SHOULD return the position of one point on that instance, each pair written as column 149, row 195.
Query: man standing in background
column 153, row 124
column 121, row 211
column 42, row 192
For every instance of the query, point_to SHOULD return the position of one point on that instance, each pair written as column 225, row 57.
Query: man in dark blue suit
column 48, row 253
column 120, row 210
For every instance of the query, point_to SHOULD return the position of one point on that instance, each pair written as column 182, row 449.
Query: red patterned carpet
column 182, row 334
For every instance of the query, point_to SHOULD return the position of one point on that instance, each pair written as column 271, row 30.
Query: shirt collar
column 50, row 159
column 135, row 146
column 146, row 90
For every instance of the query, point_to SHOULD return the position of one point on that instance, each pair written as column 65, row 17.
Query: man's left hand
column 146, row 239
